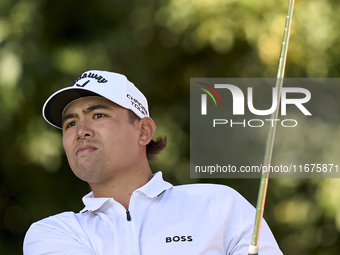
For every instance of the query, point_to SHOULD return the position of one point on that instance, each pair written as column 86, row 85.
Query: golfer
column 108, row 141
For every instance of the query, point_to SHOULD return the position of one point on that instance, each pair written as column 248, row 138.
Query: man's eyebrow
column 85, row 111
column 68, row 116
column 95, row 107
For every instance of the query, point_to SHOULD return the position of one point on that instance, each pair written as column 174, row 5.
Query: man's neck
column 122, row 187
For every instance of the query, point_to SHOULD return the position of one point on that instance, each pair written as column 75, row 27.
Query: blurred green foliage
column 159, row 45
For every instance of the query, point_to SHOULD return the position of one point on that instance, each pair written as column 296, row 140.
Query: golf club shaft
column 254, row 247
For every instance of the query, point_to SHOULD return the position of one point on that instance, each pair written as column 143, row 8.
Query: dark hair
column 154, row 146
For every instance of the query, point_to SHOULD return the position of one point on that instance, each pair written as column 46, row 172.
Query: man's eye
column 71, row 124
column 98, row 116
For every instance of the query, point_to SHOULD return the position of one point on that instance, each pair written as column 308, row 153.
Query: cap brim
column 54, row 106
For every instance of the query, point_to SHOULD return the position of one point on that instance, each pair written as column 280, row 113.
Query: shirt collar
column 154, row 188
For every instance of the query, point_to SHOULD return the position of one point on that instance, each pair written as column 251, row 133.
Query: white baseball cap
column 113, row 86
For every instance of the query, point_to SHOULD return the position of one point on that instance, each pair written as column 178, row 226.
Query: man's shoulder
column 207, row 189
column 62, row 221
column 221, row 199
column 214, row 194
column 61, row 232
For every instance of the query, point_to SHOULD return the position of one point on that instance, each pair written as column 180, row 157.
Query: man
column 107, row 137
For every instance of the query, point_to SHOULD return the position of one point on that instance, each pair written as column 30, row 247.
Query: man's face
column 99, row 140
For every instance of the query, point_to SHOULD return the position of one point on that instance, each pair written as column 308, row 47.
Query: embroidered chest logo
column 176, row 239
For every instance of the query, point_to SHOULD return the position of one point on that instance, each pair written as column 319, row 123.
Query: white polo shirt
column 162, row 219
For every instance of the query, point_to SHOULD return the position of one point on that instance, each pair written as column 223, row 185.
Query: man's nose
column 84, row 130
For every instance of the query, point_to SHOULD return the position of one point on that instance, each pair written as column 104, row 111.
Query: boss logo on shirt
column 177, row 239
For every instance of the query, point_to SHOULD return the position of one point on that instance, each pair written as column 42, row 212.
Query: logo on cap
column 137, row 105
column 99, row 78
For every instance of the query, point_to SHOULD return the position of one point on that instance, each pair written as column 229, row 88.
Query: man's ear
column 147, row 130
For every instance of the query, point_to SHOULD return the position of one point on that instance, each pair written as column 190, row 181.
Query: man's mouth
column 84, row 149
